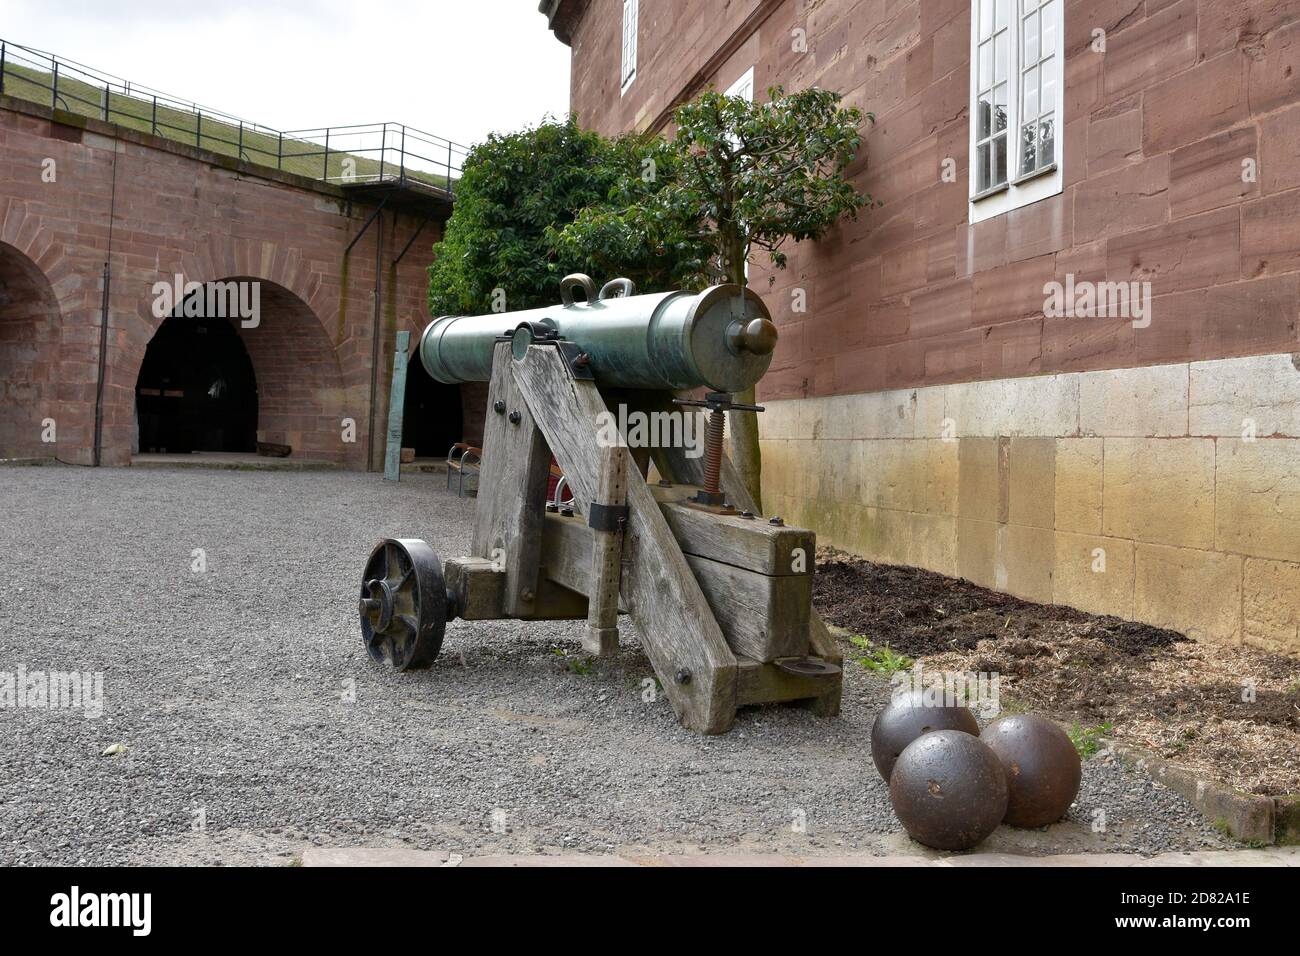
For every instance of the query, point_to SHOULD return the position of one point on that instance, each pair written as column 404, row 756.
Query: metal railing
column 366, row 153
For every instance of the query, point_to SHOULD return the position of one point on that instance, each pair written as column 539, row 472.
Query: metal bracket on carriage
column 609, row 519
column 539, row 333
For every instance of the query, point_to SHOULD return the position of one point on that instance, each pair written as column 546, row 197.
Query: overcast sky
column 455, row 68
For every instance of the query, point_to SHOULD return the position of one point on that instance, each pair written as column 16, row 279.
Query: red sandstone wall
column 29, row 358
column 676, row 39
column 175, row 211
column 1156, row 131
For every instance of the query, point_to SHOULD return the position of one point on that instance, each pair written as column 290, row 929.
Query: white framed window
column 743, row 87
column 631, row 16
column 1017, row 74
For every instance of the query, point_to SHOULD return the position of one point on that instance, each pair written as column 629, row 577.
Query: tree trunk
column 745, row 452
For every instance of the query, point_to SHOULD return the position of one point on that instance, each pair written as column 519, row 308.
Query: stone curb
column 1248, row 817
column 354, row 857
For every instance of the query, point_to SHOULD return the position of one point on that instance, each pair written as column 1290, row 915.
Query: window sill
column 991, row 191
column 1024, row 191
column 1044, row 171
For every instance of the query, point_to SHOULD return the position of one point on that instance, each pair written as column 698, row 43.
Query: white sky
column 455, row 68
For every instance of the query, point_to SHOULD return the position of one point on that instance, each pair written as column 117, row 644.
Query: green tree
column 516, row 193
column 738, row 177
column 633, row 233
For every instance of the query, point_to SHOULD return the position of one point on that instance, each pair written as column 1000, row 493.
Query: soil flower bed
column 1232, row 713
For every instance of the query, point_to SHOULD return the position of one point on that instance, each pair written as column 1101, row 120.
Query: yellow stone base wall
column 1168, row 494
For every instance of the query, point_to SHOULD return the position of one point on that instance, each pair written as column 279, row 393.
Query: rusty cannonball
column 948, row 790
column 910, row 715
column 1042, row 767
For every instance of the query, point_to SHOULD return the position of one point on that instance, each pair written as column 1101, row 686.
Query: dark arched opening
column 196, row 390
column 431, row 413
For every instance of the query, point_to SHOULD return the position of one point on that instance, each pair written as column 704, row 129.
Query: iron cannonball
column 910, row 715
column 1043, row 768
column 948, row 790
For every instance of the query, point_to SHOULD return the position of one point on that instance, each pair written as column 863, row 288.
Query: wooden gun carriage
column 721, row 597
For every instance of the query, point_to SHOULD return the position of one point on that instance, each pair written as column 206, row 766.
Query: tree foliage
column 737, row 177
column 516, row 191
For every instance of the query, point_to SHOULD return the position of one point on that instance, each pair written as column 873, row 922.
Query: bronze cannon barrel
column 721, row 338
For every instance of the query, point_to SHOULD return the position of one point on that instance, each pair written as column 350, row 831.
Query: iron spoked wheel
column 403, row 604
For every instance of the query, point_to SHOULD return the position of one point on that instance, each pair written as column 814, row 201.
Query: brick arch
column 302, row 399
column 300, row 389
column 31, row 326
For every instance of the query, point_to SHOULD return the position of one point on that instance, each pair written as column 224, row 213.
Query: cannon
column 660, row 530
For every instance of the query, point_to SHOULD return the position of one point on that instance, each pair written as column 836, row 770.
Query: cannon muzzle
column 721, row 338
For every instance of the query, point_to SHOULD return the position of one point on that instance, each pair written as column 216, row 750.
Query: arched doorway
column 29, row 358
column 246, row 361
column 197, row 390
column 431, row 412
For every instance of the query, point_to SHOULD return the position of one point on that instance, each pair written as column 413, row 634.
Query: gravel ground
column 228, row 689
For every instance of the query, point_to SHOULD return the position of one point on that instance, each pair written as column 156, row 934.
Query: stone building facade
column 77, row 194
column 1060, row 360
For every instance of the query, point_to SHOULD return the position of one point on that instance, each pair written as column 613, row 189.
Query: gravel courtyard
column 230, row 689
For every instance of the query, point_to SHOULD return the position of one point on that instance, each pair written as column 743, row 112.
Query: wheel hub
column 403, row 604
column 379, row 605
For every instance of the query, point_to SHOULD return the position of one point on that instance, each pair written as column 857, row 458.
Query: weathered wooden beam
column 601, row 635
column 760, row 683
column 678, row 631
column 512, row 489
column 762, row 616
column 477, row 586
column 750, row 543
column 566, row 552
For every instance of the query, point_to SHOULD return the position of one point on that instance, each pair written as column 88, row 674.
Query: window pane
column 1030, row 45
column 1000, row 159
column 986, row 65
column 1029, row 94
column 1004, row 12
column 1029, row 5
column 1000, row 56
column 982, row 168
column 1000, row 108
column 1027, row 151
column 1048, row 16
column 986, row 19
column 1047, row 74
column 983, row 110
column 1047, row 142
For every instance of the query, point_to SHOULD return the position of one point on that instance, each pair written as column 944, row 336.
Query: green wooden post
column 396, row 399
